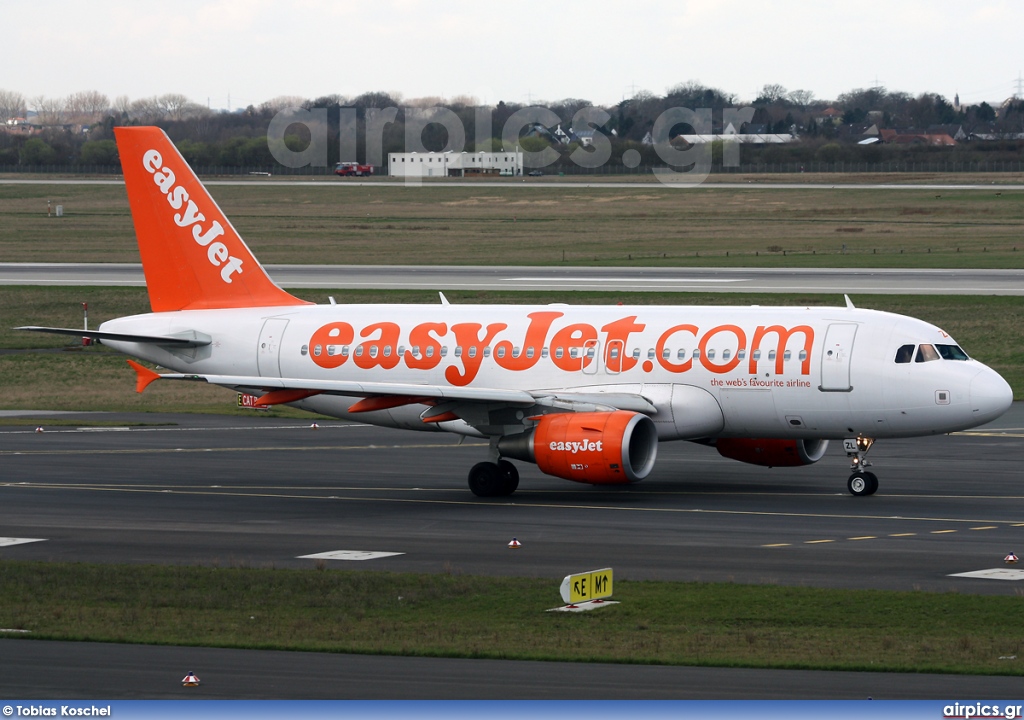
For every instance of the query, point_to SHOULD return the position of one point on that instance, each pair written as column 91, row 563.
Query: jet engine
column 600, row 448
column 772, row 452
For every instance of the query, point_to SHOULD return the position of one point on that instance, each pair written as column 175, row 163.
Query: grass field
column 455, row 615
column 520, row 224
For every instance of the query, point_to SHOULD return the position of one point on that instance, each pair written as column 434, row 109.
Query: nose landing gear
column 861, row 482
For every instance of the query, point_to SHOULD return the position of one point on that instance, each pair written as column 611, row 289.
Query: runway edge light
column 1010, row 559
column 190, row 680
column 515, row 544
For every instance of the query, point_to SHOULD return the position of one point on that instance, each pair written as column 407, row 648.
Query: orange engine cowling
column 600, row 448
column 772, row 452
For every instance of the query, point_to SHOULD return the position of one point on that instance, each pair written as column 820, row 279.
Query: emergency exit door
column 268, row 354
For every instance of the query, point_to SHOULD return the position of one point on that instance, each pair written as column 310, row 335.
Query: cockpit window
column 926, row 353
column 905, row 354
column 951, row 352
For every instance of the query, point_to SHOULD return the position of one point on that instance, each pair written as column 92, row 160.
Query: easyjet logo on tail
column 190, row 215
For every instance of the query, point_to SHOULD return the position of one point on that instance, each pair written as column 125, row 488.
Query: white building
column 449, row 164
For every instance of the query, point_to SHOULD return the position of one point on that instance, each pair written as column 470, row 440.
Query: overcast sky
column 255, row 50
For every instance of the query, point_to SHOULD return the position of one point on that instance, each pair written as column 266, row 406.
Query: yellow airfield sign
column 581, row 587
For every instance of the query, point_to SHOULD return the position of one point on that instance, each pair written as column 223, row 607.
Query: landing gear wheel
column 487, row 480
column 862, row 483
column 510, row 475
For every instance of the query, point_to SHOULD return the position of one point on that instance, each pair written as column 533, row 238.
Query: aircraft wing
column 381, row 395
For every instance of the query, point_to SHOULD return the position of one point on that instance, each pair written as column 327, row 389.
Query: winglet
column 143, row 376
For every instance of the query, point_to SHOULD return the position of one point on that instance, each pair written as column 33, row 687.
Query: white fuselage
column 709, row 371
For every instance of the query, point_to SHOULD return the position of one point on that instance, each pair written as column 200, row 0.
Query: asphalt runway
column 261, row 492
column 720, row 280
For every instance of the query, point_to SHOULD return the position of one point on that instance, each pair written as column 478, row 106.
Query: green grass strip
column 455, row 615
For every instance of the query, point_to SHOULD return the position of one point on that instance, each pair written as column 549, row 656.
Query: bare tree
column 122, row 106
column 801, row 98
column 281, row 102
column 175, row 106
column 464, row 101
column 146, row 110
column 87, row 107
column 771, row 94
column 50, row 111
column 12, row 105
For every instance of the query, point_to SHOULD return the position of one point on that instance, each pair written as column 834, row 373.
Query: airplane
column 586, row 393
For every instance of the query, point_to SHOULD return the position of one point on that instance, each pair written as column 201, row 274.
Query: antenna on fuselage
column 444, row 300
column 849, row 303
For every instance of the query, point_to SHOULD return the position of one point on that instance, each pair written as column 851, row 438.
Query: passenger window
column 458, row 351
column 711, row 354
column 500, row 352
column 757, row 355
column 666, row 353
column 529, row 352
column 636, row 353
column 802, row 355
column 681, row 354
column 905, row 354
column 387, row 351
column 487, row 352
column 613, row 353
column 472, row 352
column 726, row 354
column 951, row 352
column 926, row 353
column 344, row 350
column 559, row 352
column 573, row 352
column 543, row 352
column 444, row 351
column 787, row 355
column 742, row 354
column 771, row 354
column 359, row 351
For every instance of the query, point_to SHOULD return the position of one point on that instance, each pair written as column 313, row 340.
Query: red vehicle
column 350, row 169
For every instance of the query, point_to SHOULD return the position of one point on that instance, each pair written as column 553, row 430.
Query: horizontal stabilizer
column 187, row 339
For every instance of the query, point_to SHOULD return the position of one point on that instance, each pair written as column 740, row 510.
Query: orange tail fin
column 192, row 256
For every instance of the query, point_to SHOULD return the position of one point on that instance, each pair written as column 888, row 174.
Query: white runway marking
column 993, row 574
column 349, row 555
column 663, row 280
column 5, row 541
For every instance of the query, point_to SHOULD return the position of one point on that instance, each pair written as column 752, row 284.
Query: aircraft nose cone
column 991, row 396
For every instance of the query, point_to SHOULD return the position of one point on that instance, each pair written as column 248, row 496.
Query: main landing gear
column 490, row 479
column 861, row 482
